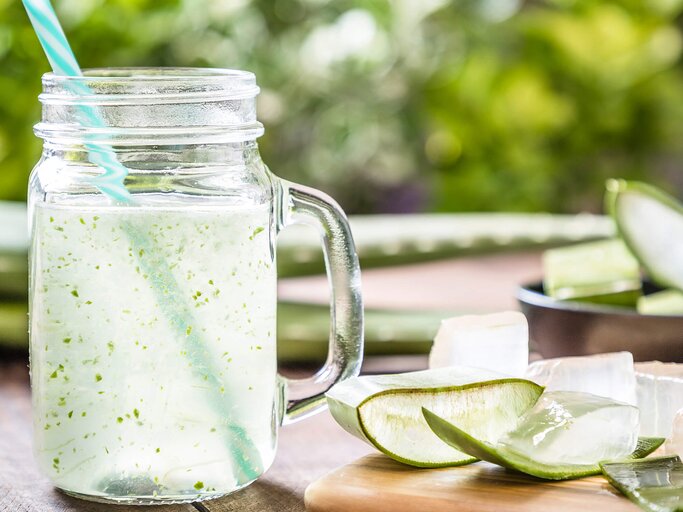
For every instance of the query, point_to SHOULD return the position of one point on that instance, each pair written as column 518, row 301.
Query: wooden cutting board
column 376, row 483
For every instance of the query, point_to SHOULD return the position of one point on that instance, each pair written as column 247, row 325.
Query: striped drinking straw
column 64, row 63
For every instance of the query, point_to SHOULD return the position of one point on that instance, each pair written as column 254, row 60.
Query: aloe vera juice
column 153, row 347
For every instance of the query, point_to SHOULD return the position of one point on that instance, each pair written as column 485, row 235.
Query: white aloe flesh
column 651, row 223
column 386, row 410
column 498, row 342
column 603, row 271
column 660, row 396
column 574, row 428
column 608, row 375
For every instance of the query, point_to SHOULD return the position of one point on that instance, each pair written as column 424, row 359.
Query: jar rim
column 130, row 73
column 146, row 104
column 130, row 83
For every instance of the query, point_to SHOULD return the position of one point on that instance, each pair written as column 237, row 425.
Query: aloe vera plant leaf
column 510, row 459
column 654, row 484
column 383, row 240
column 13, row 324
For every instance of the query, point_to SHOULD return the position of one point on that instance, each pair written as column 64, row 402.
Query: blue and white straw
column 64, row 63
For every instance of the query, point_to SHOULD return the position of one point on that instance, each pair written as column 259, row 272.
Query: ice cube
column 606, row 375
column 674, row 445
column 660, row 396
column 567, row 427
column 498, row 342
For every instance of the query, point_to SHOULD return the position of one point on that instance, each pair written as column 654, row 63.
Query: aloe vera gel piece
column 655, row 485
column 602, row 272
column 565, row 435
column 497, row 341
column 385, row 410
column 575, row 428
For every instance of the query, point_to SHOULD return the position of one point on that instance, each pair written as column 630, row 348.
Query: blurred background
column 403, row 105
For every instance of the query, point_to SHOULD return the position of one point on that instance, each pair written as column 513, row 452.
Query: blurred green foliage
column 403, row 104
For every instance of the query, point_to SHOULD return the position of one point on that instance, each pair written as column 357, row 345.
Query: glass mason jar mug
column 152, row 314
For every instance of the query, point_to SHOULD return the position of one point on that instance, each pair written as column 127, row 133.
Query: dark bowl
column 563, row 328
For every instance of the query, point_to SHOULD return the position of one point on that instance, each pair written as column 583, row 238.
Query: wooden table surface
column 307, row 450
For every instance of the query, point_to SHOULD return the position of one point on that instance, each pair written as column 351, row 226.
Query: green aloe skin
column 655, row 485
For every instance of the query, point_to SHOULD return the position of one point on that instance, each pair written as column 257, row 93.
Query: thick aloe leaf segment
column 651, row 223
column 565, row 435
column 385, row 410
column 667, row 302
column 602, row 272
column 655, row 485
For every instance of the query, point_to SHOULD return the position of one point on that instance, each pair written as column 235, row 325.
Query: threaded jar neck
column 150, row 106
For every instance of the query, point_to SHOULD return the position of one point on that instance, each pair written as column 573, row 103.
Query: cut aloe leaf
column 667, row 302
column 385, row 410
column 603, row 272
column 651, row 223
column 564, row 436
column 655, row 485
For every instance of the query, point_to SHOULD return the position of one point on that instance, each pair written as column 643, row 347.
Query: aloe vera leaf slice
column 667, row 302
column 602, row 272
column 655, row 484
column 651, row 224
column 510, row 459
column 385, row 410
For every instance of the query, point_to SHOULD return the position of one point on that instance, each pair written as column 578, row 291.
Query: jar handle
column 303, row 205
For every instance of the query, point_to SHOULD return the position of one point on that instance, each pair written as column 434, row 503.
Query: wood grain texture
column 376, row 483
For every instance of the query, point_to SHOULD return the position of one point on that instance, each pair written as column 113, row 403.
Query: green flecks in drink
column 158, row 450
column 53, row 375
column 52, row 219
column 98, row 377
column 74, row 293
column 188, row 331
column 119, row 420
column 83, row 414
column 67, row 340
column 199, row 485
column 70, row 414
column 61, row 402
column 136, row 413
column 256, row 232
column 81, row 221
column 110, row 346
